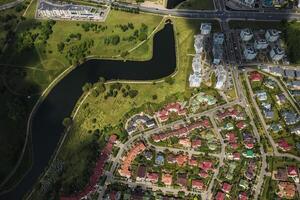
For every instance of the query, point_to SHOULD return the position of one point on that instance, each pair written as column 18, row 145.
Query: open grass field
column 197, row 5
column 98, row 114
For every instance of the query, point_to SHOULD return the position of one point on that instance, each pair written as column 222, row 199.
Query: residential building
column 289, row 73
column 280, row 99
column 272, row 35
column 244, row 184
column 255, row 76
column 218, row 40
column 159, row 160
column 296, row 130
column 249, row 53
column 290, row 117
column 182, row 180
column 163, row 115
column 297, row 73
column 286, row 190
column 226, row 187
column 277, row 71
column 246, row 34
column 141, row 173
column 205, row 28
column 198, row 184
column 260, row 44
column 166, row 179
column 199, row 43
column 221, row 74
column 139, row 119
column 277, row 53
column 284, row 145
column 195, row 80
column 261, row 95
column 196, row 64
column 248, row 3
column 220, row 196
column 295, row 85
column 152, row 177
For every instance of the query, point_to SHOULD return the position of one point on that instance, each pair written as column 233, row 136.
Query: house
column 203, row 174
column 205, row 28
column 272, row 35
column 289, row 73
column 286, row 190
column 220, row 196
column 226, row 187
column 261, row 95
column 129, row 157
column 166, row 179
column 250, row 172
column 292, row 171
column 297, row 74
column 185, row 142
column 294, row 85
column 171, row 158
column 269, row 83
column 284, row 145
column 139, row 119
column 277, row 71
column 182, row 180
column 159, row 160
column 268, row 113
column 243, row 196
column 232, row 113
column 196, row 143
column 280, row 174
column 181, row 159
column 198, row 184
column 244, row 184
column 246, row 34
column 193, row 161
column 229, row 126
column 296, row 130
column 280, row 98
column 241, row 125
column 275, row 127
column 152, row 177
column 277, row 53
column 141, row 173
column 256, row 76
column 290, row 117
column 206, row 165
column 249, row 153
column 163, row 115
column 148, row 154
column 250, row 53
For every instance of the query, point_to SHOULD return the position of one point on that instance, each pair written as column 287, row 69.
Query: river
column 47, row 122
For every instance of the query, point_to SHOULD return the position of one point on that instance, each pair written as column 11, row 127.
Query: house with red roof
column 193, row 161
column 243, row 196
column 198, row 184
column 206, row 165
column 286, row 190
column 226, row 187
column 292, row 171
column 167, row 179
column 230, row 136
column 163, row 115
column 203, row 174
column 185, row 142
column 182, row 180
column 255, row 76
column 152, row 177
column 249, row 145
column 241, row 125
column 181, row 159
column 196, row 143
column 141, row 173
column 220, row 196
column 284, row 145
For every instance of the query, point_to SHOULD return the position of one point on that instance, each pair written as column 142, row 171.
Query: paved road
column 10, row 5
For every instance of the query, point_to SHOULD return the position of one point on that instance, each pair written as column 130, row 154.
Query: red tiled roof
column 220, row 196
column 198, row 184
column 284, row 145
column 292, row 171
column 256, row 76
column 166, row 179
column 153, row 177
column 181, row 159
column 226, row 187
column 163, row 114
column 196, row 143
column 206, row 165
column 241, row 125
column 243, row 196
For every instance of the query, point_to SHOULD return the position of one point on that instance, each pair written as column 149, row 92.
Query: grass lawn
column 98, row 113
column 197, row 5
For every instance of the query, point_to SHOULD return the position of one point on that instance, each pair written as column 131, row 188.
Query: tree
column 133, row 93
column 170, row 80
column 154, row 97
column 86, row 87
column 60, row 47
column 143, row 36
column 67, row 122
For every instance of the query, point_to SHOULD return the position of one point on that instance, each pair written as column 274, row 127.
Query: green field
column 197, row 5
